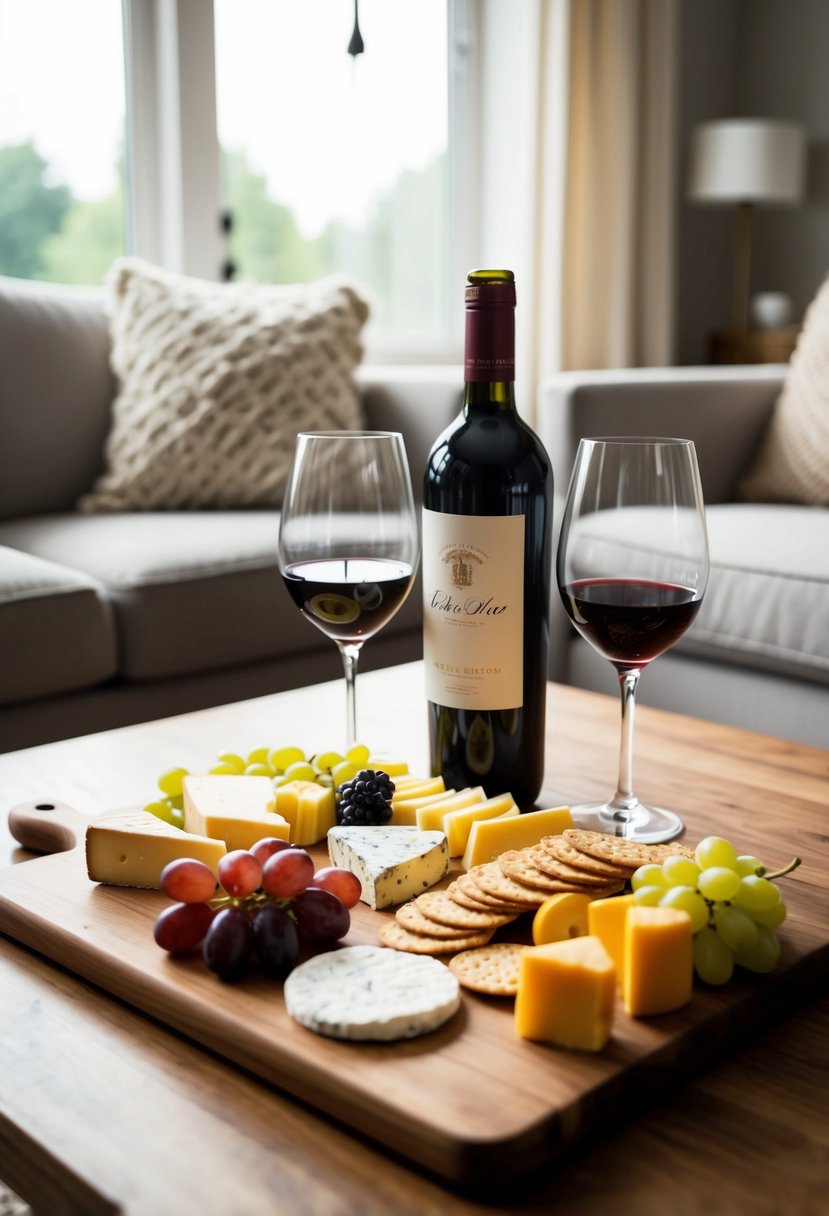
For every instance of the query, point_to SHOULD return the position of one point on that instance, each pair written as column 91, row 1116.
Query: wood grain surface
column 783, row 786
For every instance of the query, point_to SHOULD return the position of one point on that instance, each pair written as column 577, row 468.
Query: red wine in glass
column 630, row 620
column 349, row 599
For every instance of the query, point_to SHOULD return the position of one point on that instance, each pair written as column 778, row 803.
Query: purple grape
column 181, row 927
column 227, row 945
column 321, row 917
column 275, row 939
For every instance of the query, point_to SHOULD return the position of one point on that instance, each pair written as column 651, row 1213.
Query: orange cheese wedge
column 566, row 994
column 658, row 973
column 606, row 920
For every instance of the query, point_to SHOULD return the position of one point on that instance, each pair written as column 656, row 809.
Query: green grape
column 325, row 761
column 162, row 809
column 713, row 961
column 224, row 770
column 648, row 876
column 170, row 783
column 680, row 872
column 177, row 818
column 756, row 894
column 325, row 779
column 719, row 883
column 746, row 864
column 357, row 755
column 649, row 896
column 282, row 758
column 763, row 954
column 259, row 769
column 714, row 851
column 236, row 762
column 770, row 917
column 343, row 772
column 300, row 770
column 687, row 900
column 259, row 755
column 736, row 928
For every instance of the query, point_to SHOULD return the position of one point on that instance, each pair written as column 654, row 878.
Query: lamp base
column 753, row 345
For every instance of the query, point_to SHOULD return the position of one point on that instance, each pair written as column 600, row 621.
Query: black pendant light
column 356, row 46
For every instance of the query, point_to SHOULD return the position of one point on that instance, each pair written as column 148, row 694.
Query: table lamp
column 745, row 162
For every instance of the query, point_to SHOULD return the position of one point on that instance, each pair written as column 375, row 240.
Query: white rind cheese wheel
column 366, row 992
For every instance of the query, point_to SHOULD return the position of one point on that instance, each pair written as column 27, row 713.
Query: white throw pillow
column 792, row 464
column 215, row 380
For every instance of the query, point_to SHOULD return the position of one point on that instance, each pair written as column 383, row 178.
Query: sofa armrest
column 725, row 410
column 420, row 402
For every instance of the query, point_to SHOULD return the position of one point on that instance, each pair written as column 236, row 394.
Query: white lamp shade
column 747, row 160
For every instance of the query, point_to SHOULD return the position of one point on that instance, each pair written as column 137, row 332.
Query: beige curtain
column 617, row 274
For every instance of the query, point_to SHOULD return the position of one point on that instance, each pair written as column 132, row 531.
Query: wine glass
column 348, row 538
column 632, row 569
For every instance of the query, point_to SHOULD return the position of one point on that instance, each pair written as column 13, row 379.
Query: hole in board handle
column 45, row 806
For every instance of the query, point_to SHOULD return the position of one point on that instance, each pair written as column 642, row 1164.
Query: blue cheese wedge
column 392, row 863
column 365, row 992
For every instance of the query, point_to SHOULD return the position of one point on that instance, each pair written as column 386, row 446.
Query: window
column 62, row 141
column 339, row 164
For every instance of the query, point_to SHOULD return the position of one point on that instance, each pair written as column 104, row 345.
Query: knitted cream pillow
column 792, row 464
column 215, row 380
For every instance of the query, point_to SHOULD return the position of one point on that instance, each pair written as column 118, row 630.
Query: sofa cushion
column 215, row 380
column 767, row 603
column 792, row 464
column 191, row 591
column 55, row 394
column 56, row 629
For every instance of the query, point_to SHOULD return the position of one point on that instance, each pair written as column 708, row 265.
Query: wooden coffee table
column 104, row 1109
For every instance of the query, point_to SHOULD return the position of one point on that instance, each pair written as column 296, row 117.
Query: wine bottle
column 487, row 522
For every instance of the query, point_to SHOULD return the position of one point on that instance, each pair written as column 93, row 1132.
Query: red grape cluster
column 272, row 906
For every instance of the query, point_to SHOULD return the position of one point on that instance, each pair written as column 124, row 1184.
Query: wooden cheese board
column 470, row 1102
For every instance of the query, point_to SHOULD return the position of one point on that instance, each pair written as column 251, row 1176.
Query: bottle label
column 473, row 610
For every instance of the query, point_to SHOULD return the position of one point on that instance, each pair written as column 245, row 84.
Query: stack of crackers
column 465, row 916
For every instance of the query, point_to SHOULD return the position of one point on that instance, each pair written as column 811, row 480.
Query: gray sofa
column 111, row 619
column 758, row 652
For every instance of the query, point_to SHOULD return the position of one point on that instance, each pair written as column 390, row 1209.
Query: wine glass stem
column 628, row 682
column 350, row 654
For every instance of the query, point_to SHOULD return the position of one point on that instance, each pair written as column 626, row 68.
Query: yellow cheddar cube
column 458, row 824
column 658, row 973
column 561, row 917
column 566, row 994
column 430, row 818
column 490, row 838
column 237, row 810
column 309, row 809
column 606, row 920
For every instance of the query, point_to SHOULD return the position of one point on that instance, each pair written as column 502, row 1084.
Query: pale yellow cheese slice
column 237, row 810
column 131, row 848
column 430, row 818
column 309, row 809
column 418, row 788
column 404, row 812
column 490, row 838
column 458, row 824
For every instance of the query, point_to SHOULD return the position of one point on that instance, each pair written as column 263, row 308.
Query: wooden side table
column 753, row 345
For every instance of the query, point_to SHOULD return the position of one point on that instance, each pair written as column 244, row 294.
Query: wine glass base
column 645, row 824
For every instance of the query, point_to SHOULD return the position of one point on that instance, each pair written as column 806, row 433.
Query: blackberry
column 366, row 799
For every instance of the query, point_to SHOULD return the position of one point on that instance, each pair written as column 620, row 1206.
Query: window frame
column 174, row 197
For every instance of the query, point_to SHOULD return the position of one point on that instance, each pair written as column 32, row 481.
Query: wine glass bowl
column 348, row 538
column 632, row 568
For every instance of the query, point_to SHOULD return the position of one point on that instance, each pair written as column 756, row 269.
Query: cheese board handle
column 46, row 827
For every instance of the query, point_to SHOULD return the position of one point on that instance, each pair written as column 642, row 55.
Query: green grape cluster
column 281, row 764
column 733, row 904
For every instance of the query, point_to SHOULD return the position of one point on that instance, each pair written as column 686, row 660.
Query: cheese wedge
column 561, row 917
column 388, row 764
column 490, row 838
column 392, row 863
column 658, row 971
column 418, row 787
column 566, row 994
column 237, row 810
column 309, row 809
column 606, row 920
column 404, row 812
column 430, row 818
column 131, row 848
column 458, row 824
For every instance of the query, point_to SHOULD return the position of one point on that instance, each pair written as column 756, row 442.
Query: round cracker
column 394, row 935
column 440, row 907
column 489, row 969
column 553, row 867
column 558, row 848
column 491, row 879
column 620, row 851
column 411, row 918
column 470, row 896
